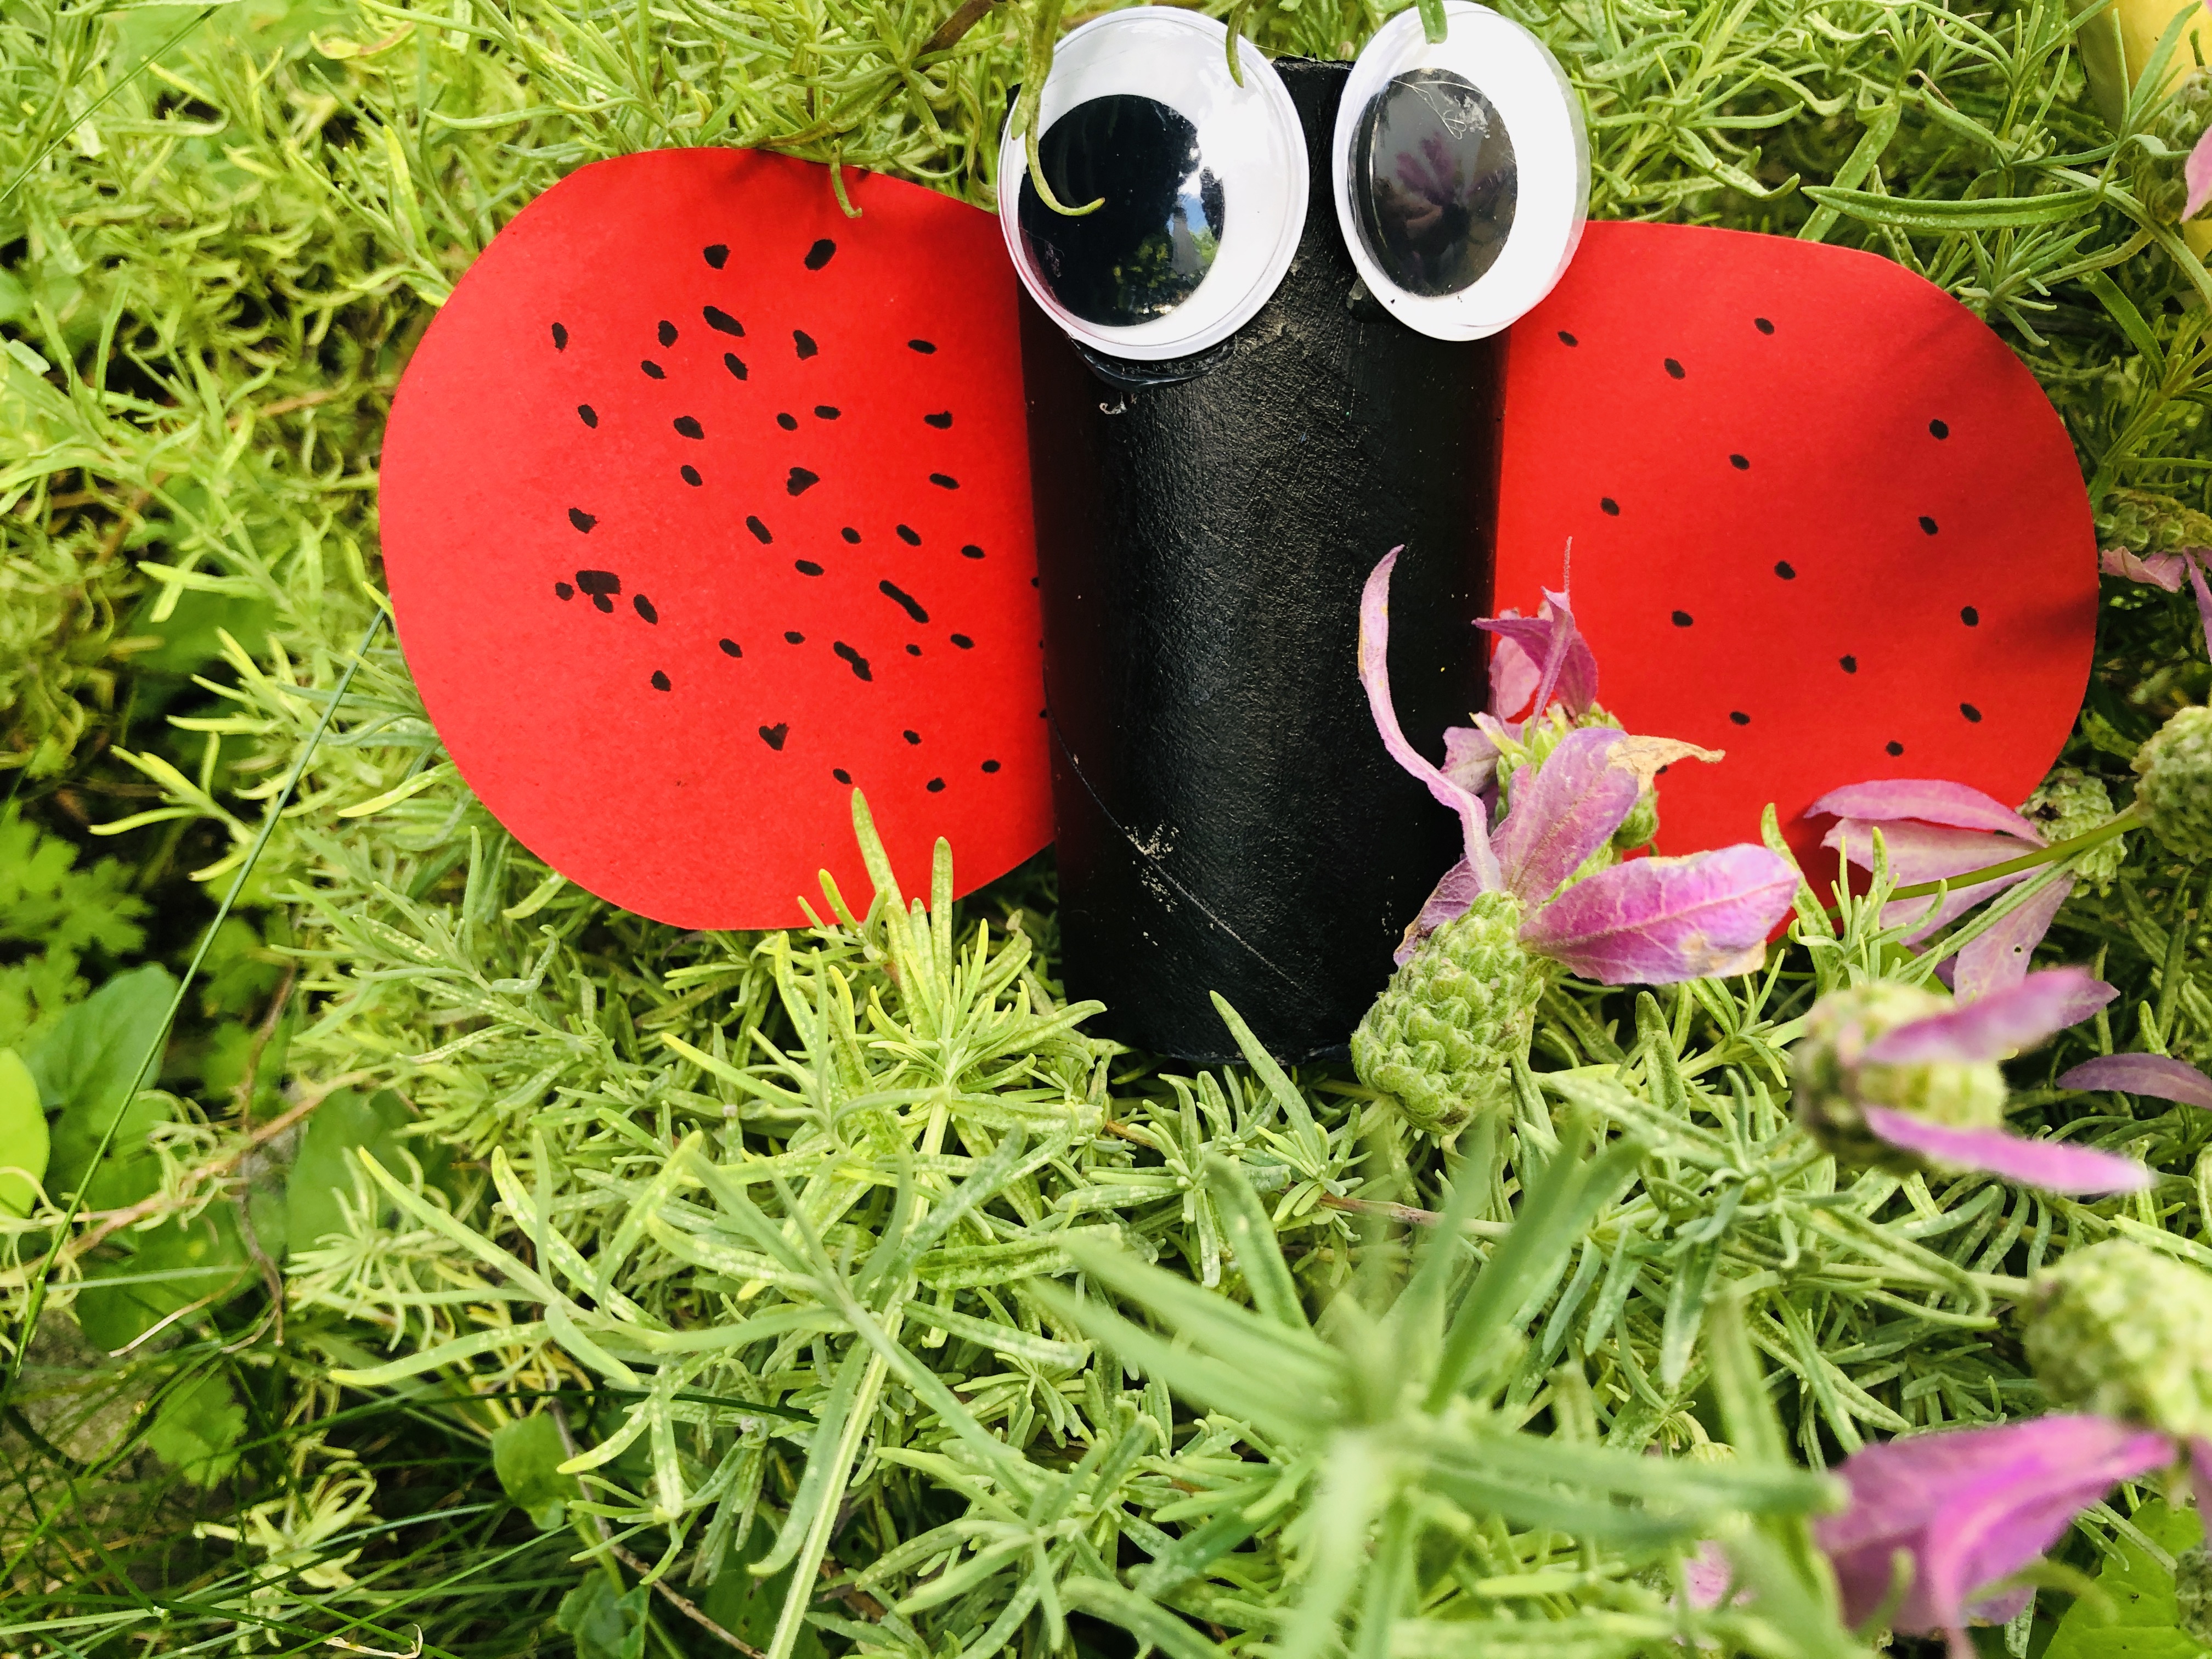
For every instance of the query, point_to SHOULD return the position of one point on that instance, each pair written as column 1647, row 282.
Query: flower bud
column 2143, row 521
column 1831, row 1083
column 2175, row 794
column 1442, row 1038
column 2124, row 1331
column 2071, row 803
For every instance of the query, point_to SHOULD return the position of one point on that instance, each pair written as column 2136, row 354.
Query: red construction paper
column 860, row 531
column 1822, row 519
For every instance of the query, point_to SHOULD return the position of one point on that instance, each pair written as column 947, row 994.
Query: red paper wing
column 703, row 503
column 1822, row 519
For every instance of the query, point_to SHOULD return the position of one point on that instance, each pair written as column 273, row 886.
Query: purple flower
column 1651, row 921
column 1893, row 1075
column 1932, row 830
column 1971, row 1507
column 2168, row 570
column 2157, row 1075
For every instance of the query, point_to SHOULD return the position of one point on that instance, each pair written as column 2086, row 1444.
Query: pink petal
column 1448, row 901
column 1926, row 852
column 2200, row 1472
column 1657, row 921
column 2198, row 170
column 1470, row 757
column 1972, row 1506
column 1998, row 960
column 1931, row 801
column 1564, row 812
column 1514, row 665
column 1707, row 1576
column 2156, row 1075
column 1571, row 667
column 2153, row 569
column 1375, row 675
column 2196, row 565
column 2053, row 1165
column 2000, row 1024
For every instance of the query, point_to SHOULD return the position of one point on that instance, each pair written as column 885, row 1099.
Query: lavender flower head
column 1901, row 1078
column 1441, row 1038
column 2120, row 1336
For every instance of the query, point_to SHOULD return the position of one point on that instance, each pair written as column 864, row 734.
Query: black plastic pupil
column 1434, row 181
column 1146, row 250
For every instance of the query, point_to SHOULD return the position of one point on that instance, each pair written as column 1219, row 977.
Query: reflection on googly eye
column 1461, row 170
column 1200, row 185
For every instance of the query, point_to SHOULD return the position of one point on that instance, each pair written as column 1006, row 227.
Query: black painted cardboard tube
column 1228, row 819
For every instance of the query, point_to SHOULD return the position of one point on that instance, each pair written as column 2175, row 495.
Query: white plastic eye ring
column 1204, row 184
column 1461, row 170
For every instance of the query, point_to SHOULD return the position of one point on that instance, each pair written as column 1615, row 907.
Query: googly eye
column 1461, row 170
column 1201, row 185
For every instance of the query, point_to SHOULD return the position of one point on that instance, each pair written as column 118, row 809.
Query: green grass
column 222, row 229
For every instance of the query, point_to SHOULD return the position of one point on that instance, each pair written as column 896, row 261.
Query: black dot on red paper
column 1740, row 463
column 596, row 582
column 1762, row 325
column 1969, row 616
column 1674, row 369
column 722, row 323
column 772, row 736
column 911, row 736
column 730, row 648
column 909, row 536
column 587, row 415
column 1850, row 664
column 1786, row 570
column 792, row 636
column 643, row 606
column 1893, row 747
column 851, row 535
column 924, row 347
column 602, row 603
column 990, row 766
column 690, row 474
column 1683, row 619
column 905, row 601
column 660, row 680
column 972, row 551
column 718, row 255
column 914, row 650
column 1610, row 507
column 1566, row 338
column 826, row 411
column 1737, row 717
column 560, row 337
column 854, row 659
column 666, row 332
column 841, row 775
column 689, row 426
column 1973, row 714
column 759, row 530
column 788, row 422
column 943, row 480
column 801, row 481
column 941, row 420
column 805, row 342
column 734, row 363
column 653, row 368
column 806, row 568
column 562, row 590
column 934, row 784
column 581, row 519
column 963, row 641
column 1927, row 525
column 819, row 255
column 1938, row 429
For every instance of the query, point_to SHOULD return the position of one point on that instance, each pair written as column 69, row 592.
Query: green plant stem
column 2119, row 825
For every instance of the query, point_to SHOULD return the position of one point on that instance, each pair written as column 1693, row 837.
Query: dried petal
column 1998, row 959
column 2164, row 570
column 2000, row 1024
column 1972, row 1506
column 1649, row 757
column 1375, row 675
column 2054, row 1165
column 1657, row 921
column 1930, row 800
column 1564, row 812
column 2157, row 1075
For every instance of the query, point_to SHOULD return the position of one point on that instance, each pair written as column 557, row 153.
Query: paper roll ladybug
column 705, row 504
